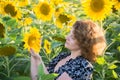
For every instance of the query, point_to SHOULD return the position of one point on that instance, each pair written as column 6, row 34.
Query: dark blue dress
column 78, row 68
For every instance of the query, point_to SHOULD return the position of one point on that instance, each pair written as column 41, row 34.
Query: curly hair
column 91, row 39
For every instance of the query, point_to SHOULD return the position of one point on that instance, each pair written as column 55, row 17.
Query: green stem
column 108, row 47
column 46, row 54
column 103, row 73
column 99, row 74
column 7, row 67
column 6, row 36
column 13, row 66
column 3, row 74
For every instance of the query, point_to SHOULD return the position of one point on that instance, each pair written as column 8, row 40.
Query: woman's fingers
column 32, row 52
column 35, row 55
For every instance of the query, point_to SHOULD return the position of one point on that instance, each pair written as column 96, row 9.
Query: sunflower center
column 31, row 40
column 118, row 0
column 97, row 5
column 10, row 9
column 45, row 9
column 8, row 50
column 48, row 46
column 63, row 18
column 2, row 30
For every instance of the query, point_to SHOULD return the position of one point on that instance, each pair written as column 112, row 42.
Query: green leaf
column 43, row 76
column 6, row 18
column 22, row 78
column 12, row 22
column 114, row 74
column 118, row 48
column 41, row 70
column 56, row 44
column 59, row 37
column 101, row 60
column 112, row 66
column 49, row 76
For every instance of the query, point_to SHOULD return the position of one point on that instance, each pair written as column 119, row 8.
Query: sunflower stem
column 6, row 36
column 7, row 67
column 46, row 54
column 108, row 46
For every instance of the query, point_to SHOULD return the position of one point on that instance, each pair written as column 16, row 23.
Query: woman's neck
column 75, row 54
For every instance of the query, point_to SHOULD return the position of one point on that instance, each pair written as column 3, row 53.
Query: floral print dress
column 78, row 68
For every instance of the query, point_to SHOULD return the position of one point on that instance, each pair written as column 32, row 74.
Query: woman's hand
column 34, row 55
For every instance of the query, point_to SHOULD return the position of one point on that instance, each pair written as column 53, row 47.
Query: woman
column 85, row 41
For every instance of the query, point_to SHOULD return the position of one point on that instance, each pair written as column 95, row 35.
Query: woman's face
column 71, row 42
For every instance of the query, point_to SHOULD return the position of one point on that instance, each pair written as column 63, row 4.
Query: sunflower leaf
column 22, row 78
column 49, row 76
column 11, row 23
column 114, row 74
column 41, row 70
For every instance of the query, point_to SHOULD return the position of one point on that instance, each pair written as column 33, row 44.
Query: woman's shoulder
column 79, row 69
column 85, row 63
column 80, row 62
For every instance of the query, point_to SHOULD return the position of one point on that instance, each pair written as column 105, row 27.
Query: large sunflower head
column 32, row 40
column 2, row 30
column 116, row 4
column 47, row 46
column 64, row 19
column 44, row 11
column 10, row 9
column 7, row 50
column 97, row 9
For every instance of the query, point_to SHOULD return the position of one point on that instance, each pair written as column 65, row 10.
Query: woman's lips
column 67, row 42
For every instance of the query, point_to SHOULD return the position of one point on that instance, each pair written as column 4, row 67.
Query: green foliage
column 43, row 76
column 17, row 65
column 107, row 67
column 22, row 78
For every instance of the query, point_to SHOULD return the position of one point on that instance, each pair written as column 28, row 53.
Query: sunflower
column 64, row 19
column 32, row 40
column 10, row 9
column 47, row 46
column 58, row 11
column 44, row 11
column 56, row 2
column 1, row 5
column 2, row 30
column 22, row 3
column 27, row 21
column 7, row 50
column 97, row 9
column 116, row 4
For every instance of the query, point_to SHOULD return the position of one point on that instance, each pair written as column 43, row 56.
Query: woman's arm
column 36, row 60
column 64, row 76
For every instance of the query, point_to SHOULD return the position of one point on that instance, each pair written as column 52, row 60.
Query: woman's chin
column 66, row 46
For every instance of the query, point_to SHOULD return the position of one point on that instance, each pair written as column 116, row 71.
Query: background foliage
column 15, row 60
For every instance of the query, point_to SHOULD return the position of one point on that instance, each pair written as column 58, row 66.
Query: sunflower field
column 43, row 25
